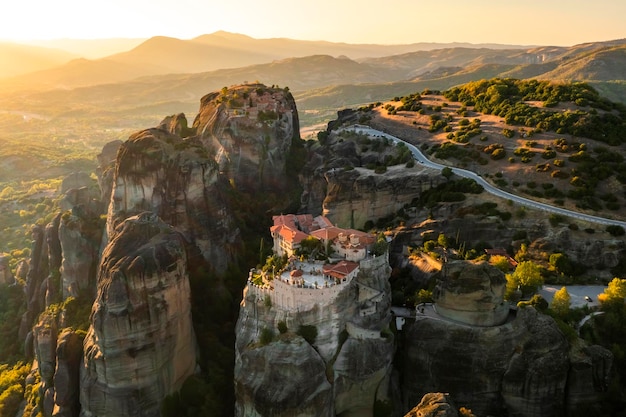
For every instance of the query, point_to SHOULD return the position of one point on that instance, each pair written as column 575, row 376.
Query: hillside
column 578, row 165
column 165, row 55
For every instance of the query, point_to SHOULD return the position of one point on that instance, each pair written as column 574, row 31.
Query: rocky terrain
column 522, row 367
column 170, row 222
column 159, row 253
column 343, row 371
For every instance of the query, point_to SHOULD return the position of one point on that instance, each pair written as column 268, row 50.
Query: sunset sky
column 527, row 22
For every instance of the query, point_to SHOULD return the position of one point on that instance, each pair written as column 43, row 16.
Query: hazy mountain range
column 162, row 73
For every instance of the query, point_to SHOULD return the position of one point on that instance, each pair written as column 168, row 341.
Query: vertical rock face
column 472, row 293
column 249, row 130
column 359, row 195
column 140, row 346
column 159, row 172
column 66, row 375
column 6, row 276
column 343, row 371
column 519, row 368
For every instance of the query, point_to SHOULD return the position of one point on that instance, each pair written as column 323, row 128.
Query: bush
column 615, row 230
column 282, row 327
column 308, row 332
column 266, row 337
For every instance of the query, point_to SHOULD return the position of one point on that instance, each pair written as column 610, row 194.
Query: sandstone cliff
column 343, row 371
column 240, row 140
column 520, row 368
column 355, row 180
column 471, row 293
column 140, row 346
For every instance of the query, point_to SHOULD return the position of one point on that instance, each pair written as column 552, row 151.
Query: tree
column 442, row 241
column 614, row 294
column 560, row 262
column 528, row 277
column 500, row 262
column 447, row 172
column 561, row 303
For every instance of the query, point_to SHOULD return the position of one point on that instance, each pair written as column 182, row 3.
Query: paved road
column 577, row 294
column 422, row 159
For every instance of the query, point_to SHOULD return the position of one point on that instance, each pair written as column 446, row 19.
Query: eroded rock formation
column 140, row 346
column 471, row 293
column 345, row 369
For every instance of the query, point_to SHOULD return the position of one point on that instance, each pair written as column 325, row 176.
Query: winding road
column 422, row 159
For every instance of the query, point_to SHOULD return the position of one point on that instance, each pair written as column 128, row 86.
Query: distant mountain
column 19, row 59
column 90, row 48
column 601, row 65
column 145, row 79
column 163, row 55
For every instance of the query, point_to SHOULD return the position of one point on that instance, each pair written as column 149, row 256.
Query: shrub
column 282, row 327
column 615, row 230
column 508, row 133
column 308, row 332
column 266, row 336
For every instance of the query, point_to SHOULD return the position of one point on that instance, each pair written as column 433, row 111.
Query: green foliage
column 560, row 263
column 282, row 327
column 507, row 98
column 527, row 276
column 12, row 306
column 536, row 301
column 12, row 387
column 308, row 332
column 615, row 230
column 424, row 296
column 381, row 246
column 266, row 337
column 430, row 245
column 500, row 262
column 614, row 294
column 561, row 303
column 508, row 133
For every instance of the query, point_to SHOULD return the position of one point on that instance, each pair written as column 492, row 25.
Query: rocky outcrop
column 347, row 364
column 69, row 352
column 159, row 172
column 434, row 404
column 35, row 281
column 471, row 293
column 360, row 195
column 140, row 346
column 595, row 252
column 356, row 178
column 106, row 168
column 240, row 140
column 587, row 382
column 519, row 368
column 284, row 378
column 80, row 235
column 248, row 130
column 6, row 276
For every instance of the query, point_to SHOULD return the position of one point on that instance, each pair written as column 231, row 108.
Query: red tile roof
column 340, row 270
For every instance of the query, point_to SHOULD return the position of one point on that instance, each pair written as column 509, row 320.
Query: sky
column 527, row 22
